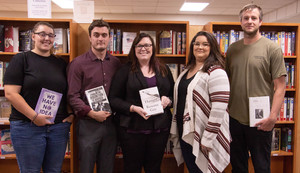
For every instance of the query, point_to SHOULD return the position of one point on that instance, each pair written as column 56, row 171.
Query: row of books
column 287, row 110
column 290, row 78
column 176, row 69
column 286, row 40
column 282, row 139
column 170, row 42
column 13, row 40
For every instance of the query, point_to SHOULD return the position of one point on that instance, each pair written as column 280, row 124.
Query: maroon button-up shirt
column 85, row 72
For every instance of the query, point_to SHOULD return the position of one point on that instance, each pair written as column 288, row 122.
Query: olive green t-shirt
column 251, row 70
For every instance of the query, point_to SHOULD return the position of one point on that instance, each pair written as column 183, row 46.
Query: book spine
column 285, row 109
column 1, row 74
column 111, row 41
column 293, row 43
column 183, row 43
column 291, row 109
column 286, row 44
column 8, row 39
column 288, row 109
column 289, row 47
column 282, row 41
column 118, row 48
column 1, row 38
column 179, row 43
column 292, row 78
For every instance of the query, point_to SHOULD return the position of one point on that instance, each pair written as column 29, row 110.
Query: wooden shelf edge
column 285, row 122
column 281, row 153
column 13, row 156
column 4, row 121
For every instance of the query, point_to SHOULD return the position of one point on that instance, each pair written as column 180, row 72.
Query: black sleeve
column 117, row 93
column 14, row 74
column 172, row 83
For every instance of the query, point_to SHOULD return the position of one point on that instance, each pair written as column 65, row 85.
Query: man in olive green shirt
column 255, row 67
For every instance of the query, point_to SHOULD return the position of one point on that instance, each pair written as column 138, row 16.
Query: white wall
column 193, row 19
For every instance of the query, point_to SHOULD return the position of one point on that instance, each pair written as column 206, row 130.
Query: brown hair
column 154, row 63
column 36, row 26
column 214, row 58
column 98, row 23
column 251, row 7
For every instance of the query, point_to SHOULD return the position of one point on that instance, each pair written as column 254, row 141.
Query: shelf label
column 275, row 154
column 2, row 157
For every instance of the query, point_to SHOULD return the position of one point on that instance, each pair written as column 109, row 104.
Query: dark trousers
column 189, row 158
column 96, row 144
column 142, row 150
column 245, row 139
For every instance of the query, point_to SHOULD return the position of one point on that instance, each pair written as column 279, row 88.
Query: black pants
column 245, row 139
column 142, row 150
column 189, row 158
column 96, row 144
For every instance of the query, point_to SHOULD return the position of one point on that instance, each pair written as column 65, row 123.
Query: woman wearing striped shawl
column 200, row 126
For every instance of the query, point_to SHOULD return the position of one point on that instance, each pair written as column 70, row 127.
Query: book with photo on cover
column 48, row 103
column 259, row 109
column 97, row 99
column 151, row 101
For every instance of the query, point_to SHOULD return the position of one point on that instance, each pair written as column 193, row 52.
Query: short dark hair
column 154, row 63
column 214, row 58
column 98, row 23
column 36, row 26
column 251, row 7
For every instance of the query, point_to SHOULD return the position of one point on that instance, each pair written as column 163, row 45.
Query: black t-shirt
column 182, row 92
column 34, row 72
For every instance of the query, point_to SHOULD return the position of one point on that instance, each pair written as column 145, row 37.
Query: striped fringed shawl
column 206, row 120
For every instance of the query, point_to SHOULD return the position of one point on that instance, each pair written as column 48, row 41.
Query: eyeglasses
column 146, row 46
column 198, row 44
column 43, row 34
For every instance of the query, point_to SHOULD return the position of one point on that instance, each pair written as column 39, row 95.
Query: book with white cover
column 259, row 109
column 97, row 99
column 127, row 41
column 48, row 103
column 151, row 101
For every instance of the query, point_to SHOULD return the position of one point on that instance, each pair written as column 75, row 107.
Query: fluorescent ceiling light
column 66, row 4
column 192, row 6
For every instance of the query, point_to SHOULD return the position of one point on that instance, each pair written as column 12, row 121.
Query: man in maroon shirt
column 96, row 133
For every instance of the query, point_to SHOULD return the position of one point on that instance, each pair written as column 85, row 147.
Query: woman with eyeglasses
column 143, row 137
column 200, row 126
column 37, row 141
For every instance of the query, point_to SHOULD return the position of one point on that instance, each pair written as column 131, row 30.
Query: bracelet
column 34, row 117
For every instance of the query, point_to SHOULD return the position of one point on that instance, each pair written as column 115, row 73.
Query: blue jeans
column 39, row 147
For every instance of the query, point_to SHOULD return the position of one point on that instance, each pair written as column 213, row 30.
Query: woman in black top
column 143, row 138
column 38, row 141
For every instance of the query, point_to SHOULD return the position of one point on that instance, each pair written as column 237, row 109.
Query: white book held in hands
column 48, row 103
column 259, row 109
column 151, row 101
column 97, row 99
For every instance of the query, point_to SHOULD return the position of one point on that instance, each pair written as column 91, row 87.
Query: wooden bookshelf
column 281, row 161
column 9, row 162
